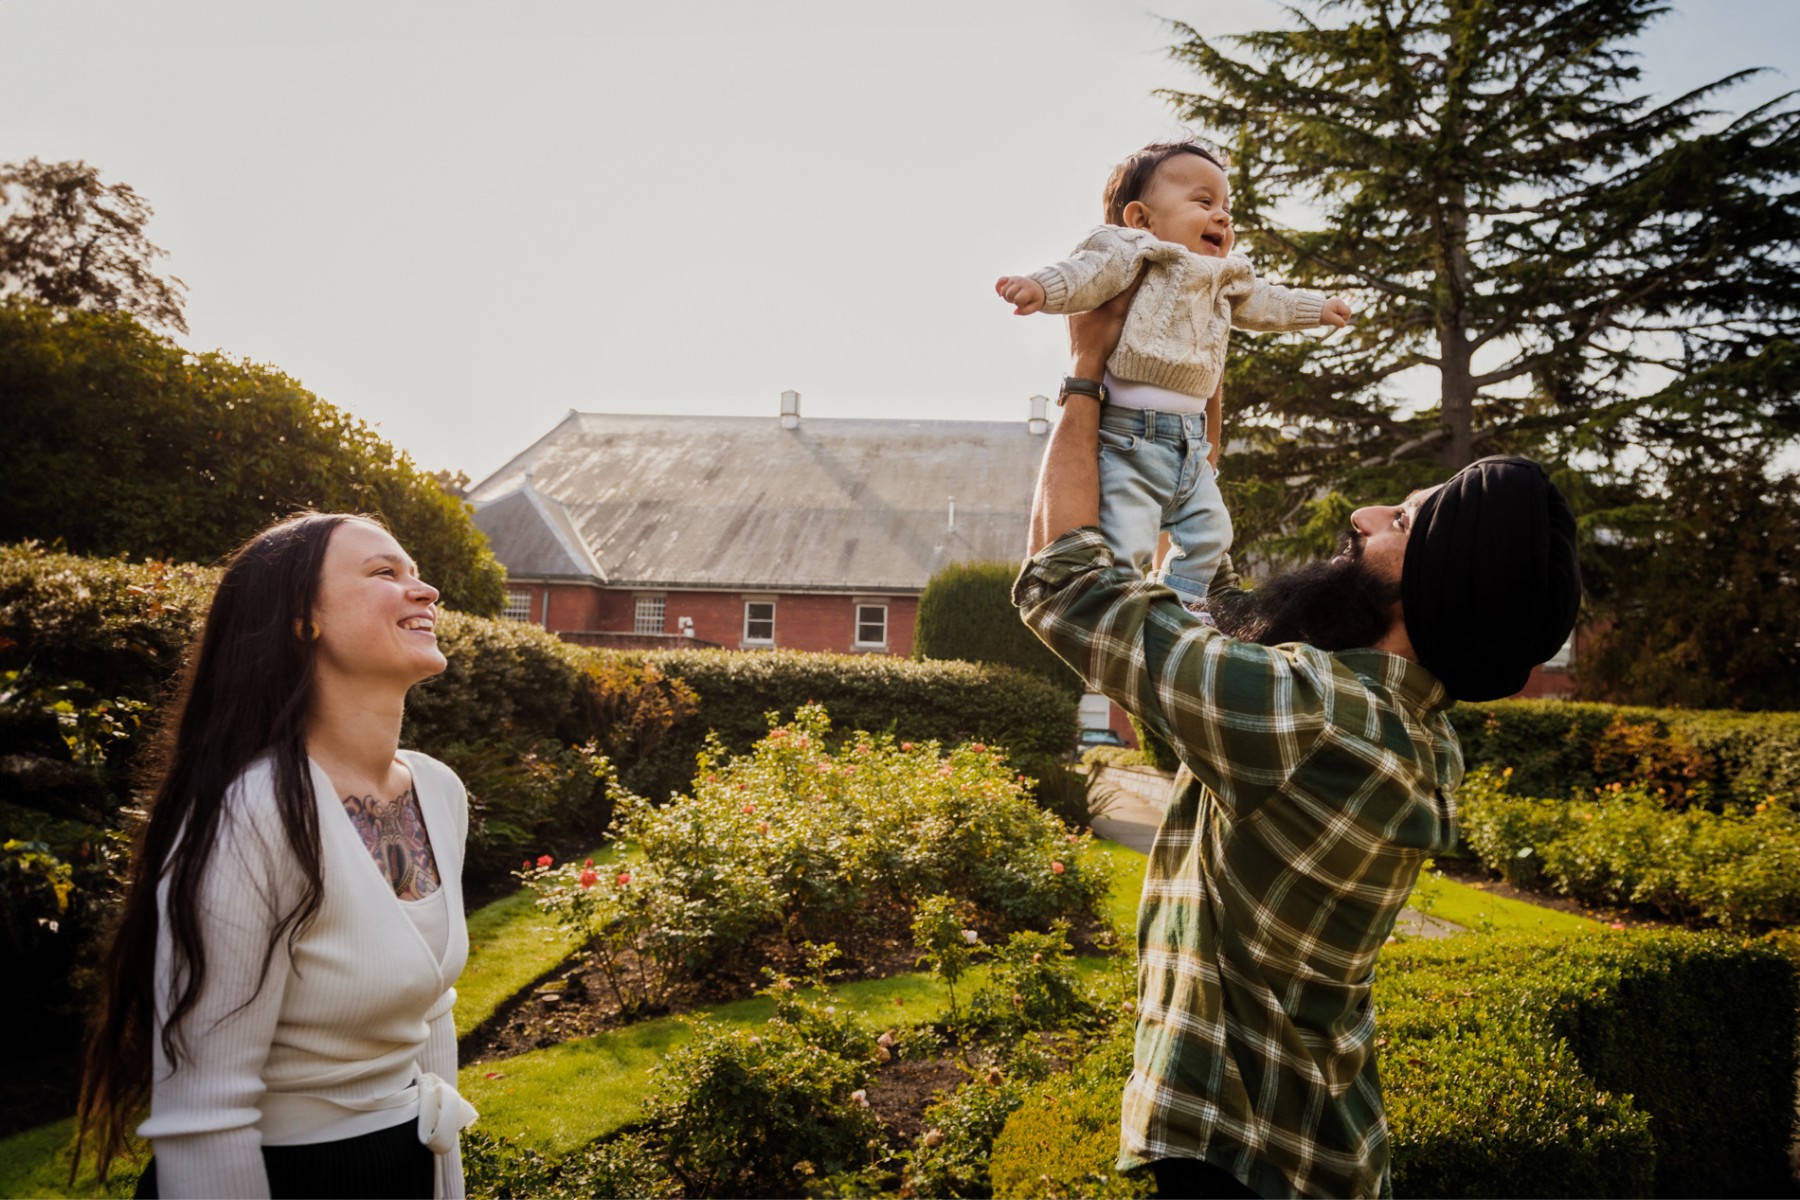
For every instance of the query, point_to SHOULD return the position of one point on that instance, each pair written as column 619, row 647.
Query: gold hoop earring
column 307, row 633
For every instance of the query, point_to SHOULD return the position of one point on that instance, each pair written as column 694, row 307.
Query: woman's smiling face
column 376, row 618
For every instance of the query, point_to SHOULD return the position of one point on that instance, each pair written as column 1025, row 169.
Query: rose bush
column 796, row 840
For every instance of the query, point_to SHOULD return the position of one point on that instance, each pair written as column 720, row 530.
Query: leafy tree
column 120, row 442
column 1545, row 260
column 1705, row 606
column 966, row 612
column 69, row 240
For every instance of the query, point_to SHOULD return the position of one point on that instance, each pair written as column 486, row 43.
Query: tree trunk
column 1457, row 380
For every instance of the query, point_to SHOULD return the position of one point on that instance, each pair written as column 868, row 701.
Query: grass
column 511, row 943
column 36, row 1163
column 565, row 1096
column 1481, row 912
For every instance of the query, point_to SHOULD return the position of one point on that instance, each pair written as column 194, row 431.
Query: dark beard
column 1338, row 604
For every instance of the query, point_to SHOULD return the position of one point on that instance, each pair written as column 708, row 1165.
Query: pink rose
column 1056, row 868
column 588, row 879
column 624, row 878
column 545, row 860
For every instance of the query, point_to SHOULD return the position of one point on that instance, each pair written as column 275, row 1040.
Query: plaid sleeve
column 1241, row 717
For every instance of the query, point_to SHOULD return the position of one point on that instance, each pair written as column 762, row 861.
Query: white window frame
column 641, row 619
column 749, row 602
column 518, row 604
column 856, row 624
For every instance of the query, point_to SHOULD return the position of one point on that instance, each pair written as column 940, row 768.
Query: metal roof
column 743, row 503
column 540, row 537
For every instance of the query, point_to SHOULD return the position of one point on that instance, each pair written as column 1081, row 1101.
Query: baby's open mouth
column 1213, row 239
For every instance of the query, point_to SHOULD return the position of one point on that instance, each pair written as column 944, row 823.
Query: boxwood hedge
column 1518, row 1065
column 1719, row 759
column 1029, row 718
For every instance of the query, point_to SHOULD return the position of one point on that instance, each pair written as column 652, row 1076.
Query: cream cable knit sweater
column 343, row 1026
column 1181, row 318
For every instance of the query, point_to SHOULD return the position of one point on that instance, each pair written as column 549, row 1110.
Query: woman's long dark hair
column 242, row 693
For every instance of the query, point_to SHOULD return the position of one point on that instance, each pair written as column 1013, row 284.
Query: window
column 649, row 615
column 759, row 622
column 518, row 604
column 871, row 625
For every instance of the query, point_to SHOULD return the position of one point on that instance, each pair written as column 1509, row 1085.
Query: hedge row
column 1622, row 1065
column 1030, row 719
column 1624, row 846
column 1715, row 759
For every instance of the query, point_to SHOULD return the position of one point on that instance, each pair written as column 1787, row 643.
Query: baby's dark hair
column 1129, row 179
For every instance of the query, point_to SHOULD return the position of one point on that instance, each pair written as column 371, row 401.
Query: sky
column 458, row 221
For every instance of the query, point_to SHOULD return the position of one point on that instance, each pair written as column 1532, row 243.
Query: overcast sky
column 460, row 220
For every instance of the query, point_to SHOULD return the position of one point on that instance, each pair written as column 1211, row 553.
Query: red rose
column 624, row 878
column 589, row 879
column 545, row 860
column 1056, row 868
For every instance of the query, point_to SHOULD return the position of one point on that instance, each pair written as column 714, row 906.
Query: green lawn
column 1476, row 910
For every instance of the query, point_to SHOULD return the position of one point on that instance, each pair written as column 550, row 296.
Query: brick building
column 745, row 532
column 754, row 533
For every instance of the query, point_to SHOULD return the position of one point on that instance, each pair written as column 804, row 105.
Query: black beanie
column 1490, row 584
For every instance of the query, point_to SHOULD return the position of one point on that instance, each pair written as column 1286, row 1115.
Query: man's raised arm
column 1068, row 487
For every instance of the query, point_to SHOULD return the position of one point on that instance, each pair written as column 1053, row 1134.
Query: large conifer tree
column 1544, row 259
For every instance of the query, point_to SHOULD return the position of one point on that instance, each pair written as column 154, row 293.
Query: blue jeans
column 1154, row 476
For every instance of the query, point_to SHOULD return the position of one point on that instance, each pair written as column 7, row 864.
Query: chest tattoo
column 394, row 834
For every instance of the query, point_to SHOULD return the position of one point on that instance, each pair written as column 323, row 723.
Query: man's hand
column 1336, row 313
column 1023, row 291
column 1093, row 336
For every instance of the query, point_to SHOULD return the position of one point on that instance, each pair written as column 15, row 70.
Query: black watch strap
column 1073, row 385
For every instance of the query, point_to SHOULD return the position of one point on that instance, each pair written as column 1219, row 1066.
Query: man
column 1316, row 778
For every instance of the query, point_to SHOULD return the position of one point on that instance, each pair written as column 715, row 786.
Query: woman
column 279, row 986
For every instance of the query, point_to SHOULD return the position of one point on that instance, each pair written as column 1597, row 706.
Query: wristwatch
column 1073, row 385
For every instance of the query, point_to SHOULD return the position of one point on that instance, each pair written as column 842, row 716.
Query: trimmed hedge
column 1021, row 714
column 1520, row 1065
column 966, row 612
column 1555, row 748
column 1625, row 846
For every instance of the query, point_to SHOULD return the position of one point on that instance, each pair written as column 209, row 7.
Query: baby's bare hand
column 1336, row 313
column 1023, row 292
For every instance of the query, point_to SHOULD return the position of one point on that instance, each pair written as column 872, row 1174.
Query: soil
column 903, row 1089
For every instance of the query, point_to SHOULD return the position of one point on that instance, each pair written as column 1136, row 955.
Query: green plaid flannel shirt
column 1312, row 787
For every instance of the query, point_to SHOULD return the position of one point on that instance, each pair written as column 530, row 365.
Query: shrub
column 1715, row 759
column 1064, row 1138
column 524, row 795
column 795, row 839
column 120, row 442
column 622, row 1165
column 946, row 702
column 1153, row 746
column 952, row 1158
column 966, row 612
column 1607, row 1065
column 1623, row 847
column 736, row 1113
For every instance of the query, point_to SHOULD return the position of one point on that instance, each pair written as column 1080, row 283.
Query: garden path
column 1128, row 808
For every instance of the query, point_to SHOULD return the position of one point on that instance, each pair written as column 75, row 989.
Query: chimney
column 1039, row 424
column 790, row 409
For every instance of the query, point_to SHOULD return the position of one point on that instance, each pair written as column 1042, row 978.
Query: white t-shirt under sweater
column 351, row 1032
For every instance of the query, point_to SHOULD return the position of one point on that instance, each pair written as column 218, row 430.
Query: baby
column 1168, row 211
